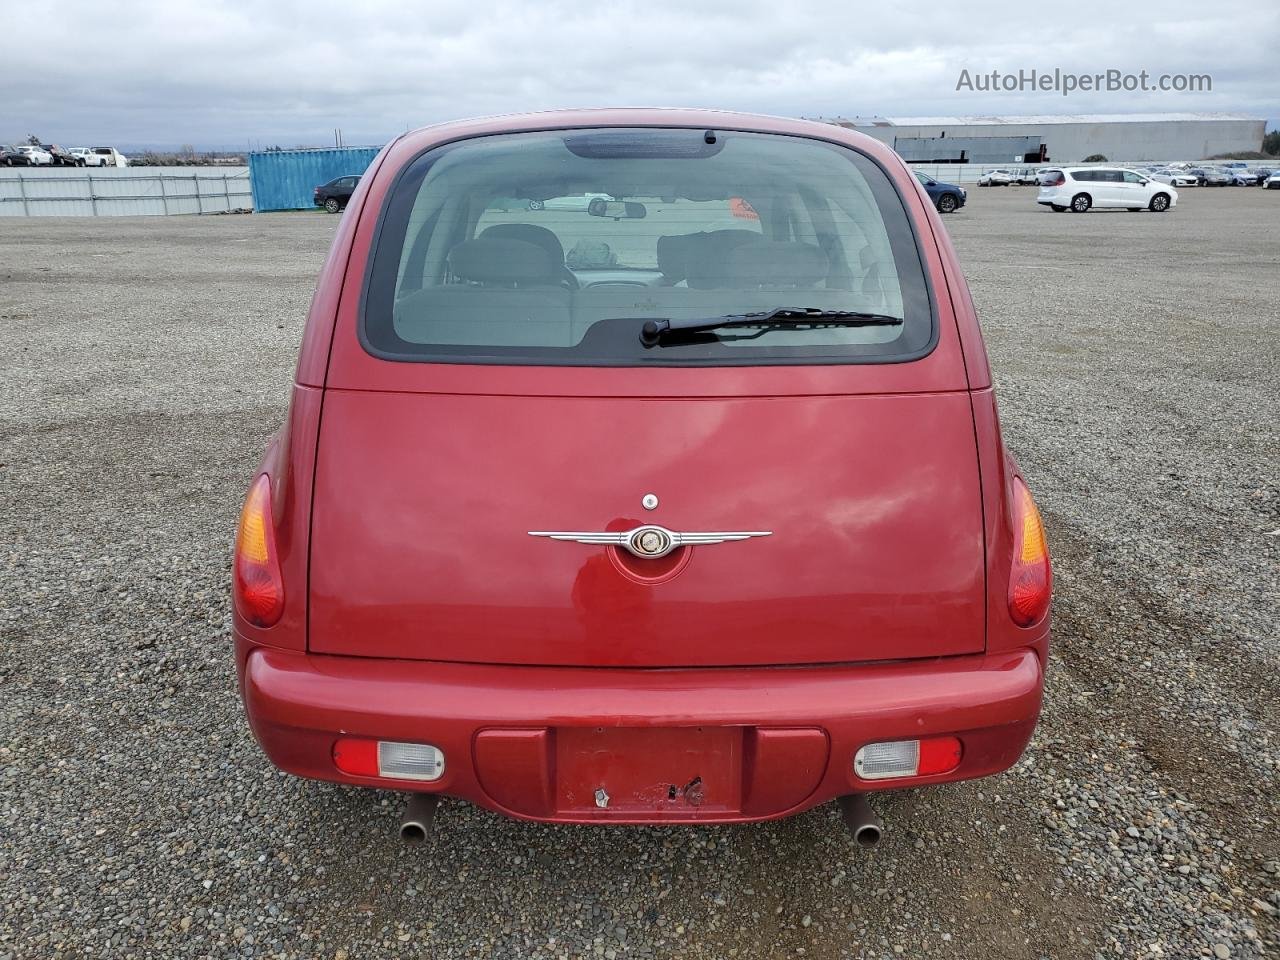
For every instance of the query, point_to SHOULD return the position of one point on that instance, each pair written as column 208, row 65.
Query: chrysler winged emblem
column 650, row 541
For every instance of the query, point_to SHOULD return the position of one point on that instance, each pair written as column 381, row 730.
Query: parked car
column 11, row 156
column 1262, row 173
column 717, row 542
column 1080, row 188
column 111, row 157
column 1273, row 181
column 996, row 178
column 947, row 197
column 37, row 155
column 1024, row 176
column 334, row 195
column 61, row 158
column 1211, row 177
column 1242, row 177
column 1175, row 178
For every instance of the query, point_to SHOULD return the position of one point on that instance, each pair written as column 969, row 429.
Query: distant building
column 1118, row 137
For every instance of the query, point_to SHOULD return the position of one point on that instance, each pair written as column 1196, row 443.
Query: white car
column 1079, row 188
column 1273, row 181
column 111, row 157
column 579, row 201
column 997, row 178
column 39, row 157
column 1176, row 178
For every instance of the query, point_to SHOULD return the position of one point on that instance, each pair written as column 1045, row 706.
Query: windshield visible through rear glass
column 556, row 247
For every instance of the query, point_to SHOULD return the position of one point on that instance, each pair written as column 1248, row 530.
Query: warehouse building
column 1118, row 137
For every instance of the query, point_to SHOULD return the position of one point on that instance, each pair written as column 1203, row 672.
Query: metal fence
column 123, row 192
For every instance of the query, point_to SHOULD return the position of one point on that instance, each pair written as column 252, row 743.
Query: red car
column 634, row 510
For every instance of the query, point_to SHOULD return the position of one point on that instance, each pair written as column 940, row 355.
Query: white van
column 1079, row 188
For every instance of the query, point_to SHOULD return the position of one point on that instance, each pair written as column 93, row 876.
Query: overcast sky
column 227, row 72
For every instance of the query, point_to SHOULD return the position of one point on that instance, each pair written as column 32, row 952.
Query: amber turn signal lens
column 1030, row 579
column 259, row 589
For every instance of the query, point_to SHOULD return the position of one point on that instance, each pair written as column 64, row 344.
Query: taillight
column 908, row 758
column 259, row 589
column 389, row 759
column 1030, row 579
column 1055, row 179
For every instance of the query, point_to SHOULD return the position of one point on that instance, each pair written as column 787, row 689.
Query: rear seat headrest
column 486, row 260
column 529, row 233
column 673, row 256
column 699, row 257
column 776, row 263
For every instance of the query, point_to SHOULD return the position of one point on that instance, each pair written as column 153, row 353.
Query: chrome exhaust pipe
column 418, row 815
column 861, row 820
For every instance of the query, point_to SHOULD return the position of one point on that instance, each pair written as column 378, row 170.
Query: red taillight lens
column 356, row 756
column 259, row 589
column 1030, row 579
column 939, row 755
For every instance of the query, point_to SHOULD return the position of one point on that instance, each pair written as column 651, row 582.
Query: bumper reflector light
column 384, row 758
column 907, row 758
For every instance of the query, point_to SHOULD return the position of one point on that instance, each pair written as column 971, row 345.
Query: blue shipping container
column 286, row 179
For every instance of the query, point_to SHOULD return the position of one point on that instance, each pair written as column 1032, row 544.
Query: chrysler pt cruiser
column 642, row 466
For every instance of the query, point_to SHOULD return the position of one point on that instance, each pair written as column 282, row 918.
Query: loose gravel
column 145, row 363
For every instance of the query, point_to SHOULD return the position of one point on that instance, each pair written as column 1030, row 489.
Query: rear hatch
column 424, row 505
column 491, row 384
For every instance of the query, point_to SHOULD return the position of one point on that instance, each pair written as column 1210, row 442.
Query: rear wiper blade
column 812, row 318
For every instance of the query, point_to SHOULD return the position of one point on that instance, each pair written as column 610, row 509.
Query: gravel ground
column 145, row 363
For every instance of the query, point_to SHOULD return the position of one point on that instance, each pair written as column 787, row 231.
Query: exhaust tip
column 418, row 816
column 867, row 836
column 861, row 821
column 413, row 833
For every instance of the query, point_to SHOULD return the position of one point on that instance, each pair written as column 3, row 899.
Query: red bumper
column 705, row 745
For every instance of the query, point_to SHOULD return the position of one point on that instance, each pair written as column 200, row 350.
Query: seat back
column 506, row 292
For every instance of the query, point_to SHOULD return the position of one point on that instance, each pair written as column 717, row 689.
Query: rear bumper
column 534, row 742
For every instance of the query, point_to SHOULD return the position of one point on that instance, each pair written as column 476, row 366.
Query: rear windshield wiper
column 809, row 318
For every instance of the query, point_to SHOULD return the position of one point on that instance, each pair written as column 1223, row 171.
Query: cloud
column 224, row 72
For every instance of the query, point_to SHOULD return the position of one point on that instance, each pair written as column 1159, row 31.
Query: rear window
column 556, row 247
